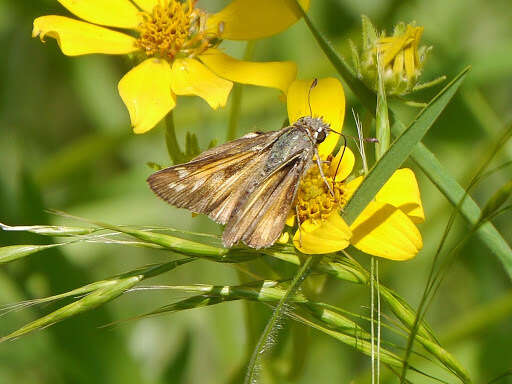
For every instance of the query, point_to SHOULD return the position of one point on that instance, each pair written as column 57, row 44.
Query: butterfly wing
column 213, row 182
column 249, row 183
column 259, row 218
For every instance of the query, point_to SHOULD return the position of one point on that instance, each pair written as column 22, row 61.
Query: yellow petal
column 146, row 92
column 190, row 77
column 271, row 74
column 351, row 187
column 410, row 68
column 146, row 5
column 327, row 101
column 283, row 239
column 112, row 13
column 345, row 159
column 80, row 38
column 290, row 219
column 385, row 231
column 331, row 235
column 397, row 43
column 254, row 19
column 402, row 191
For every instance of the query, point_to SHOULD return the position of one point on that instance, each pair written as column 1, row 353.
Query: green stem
column 366, row 96
column 434, row 279
column 236, row 101
column 175, row 153
column 267, row 335
column 422, row 156
column 382, row 129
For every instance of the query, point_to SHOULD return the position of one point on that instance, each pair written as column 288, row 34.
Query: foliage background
column 65, row 143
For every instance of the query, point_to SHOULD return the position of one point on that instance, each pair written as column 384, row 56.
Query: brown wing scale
column 261, row 216
column 213, row 182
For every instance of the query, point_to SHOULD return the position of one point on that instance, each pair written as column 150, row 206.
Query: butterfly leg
column 318, row 161
column 298, row 223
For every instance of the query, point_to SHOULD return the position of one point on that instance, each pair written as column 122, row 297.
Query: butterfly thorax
column 316, row 128
column 292, row 143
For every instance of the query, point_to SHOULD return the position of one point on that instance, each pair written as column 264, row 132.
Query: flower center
column 314, row 200
column 400, row 52
column 173, row 28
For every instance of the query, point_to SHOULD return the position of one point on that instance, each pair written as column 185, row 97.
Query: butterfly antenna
column 313, row 85
column 339, row 162
column 362, row 140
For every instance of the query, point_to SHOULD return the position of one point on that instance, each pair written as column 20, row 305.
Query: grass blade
column 422, row 156
column 400, row 150
column 15, row 252
column 366, row 96
column 454, row 192
column 268, row 333
column 49, row 230
column 98, row 293
column 91, row 301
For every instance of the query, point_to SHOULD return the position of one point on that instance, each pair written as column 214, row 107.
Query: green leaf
column 382, row 129
column 97, row 294
column 91, row 301
column 15, row 252
column 268, row 336
column 423, row 157
column 49, row 230
column 497, row 200
column 469, row 210
column 400, row 150
column 366, row 96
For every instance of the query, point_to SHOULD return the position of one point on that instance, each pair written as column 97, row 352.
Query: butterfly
column 249, row 184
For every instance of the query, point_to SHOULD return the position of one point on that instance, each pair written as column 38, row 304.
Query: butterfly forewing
column 248, row 184
column 261, row 217
column 208, row 184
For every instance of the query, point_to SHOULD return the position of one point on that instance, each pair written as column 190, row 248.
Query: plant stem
column 382, row 128
column 175, row 153
column 236, row 101
column 267, row 335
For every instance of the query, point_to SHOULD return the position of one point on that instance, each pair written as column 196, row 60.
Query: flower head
column 400, row 56
column 385, row 228
column 177, row 43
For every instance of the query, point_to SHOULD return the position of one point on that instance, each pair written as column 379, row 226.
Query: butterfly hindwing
column 248, row 184
column 211, row 183
column 261, row 215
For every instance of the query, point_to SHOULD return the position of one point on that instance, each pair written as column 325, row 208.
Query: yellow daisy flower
column 401, row 57
column 400, row 52
column 179, row 43
column 386, row 227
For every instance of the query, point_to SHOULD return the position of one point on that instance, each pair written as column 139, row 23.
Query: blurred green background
column 66, row 143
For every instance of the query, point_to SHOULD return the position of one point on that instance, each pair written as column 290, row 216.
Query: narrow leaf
column 366, row 96
column 49, row 230
column 423, row 157
column 102, row 292
column 15, row 252
column 91, row 301
column 400, row 149
column 267, row 337
column 382, row 129
column 454, row 192
column 497, row 200
column 176, row 244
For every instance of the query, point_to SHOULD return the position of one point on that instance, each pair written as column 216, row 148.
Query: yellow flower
column 178, row 42
column 399, row 53
column 385, row 228
column 401, row 57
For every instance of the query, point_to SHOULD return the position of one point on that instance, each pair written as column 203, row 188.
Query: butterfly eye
column 320, row 136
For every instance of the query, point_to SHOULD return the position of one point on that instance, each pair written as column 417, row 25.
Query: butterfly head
column 316, row 127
